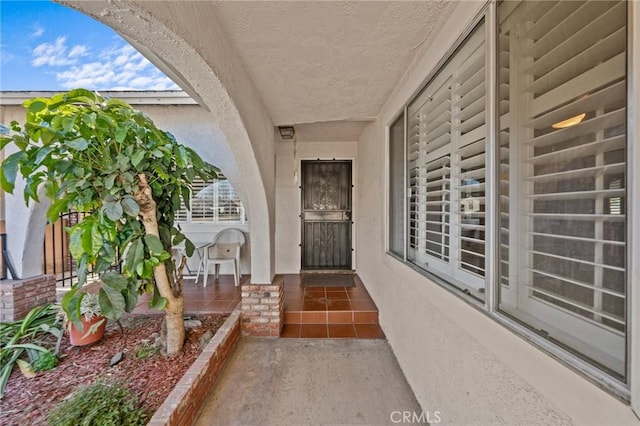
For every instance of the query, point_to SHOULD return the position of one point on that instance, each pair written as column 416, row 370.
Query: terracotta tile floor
column 311, row 312
column 329, row 312
column 218, row 297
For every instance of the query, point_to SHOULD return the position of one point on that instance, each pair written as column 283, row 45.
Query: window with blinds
column 560, row 193
column 562, row 138
column 446, row 139
column 214, row 201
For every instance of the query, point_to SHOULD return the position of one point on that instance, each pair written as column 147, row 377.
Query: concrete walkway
column 310, row 382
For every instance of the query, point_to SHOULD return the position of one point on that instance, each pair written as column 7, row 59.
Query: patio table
column 181, row 250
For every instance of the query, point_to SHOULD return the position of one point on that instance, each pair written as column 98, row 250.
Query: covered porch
column 382, row 85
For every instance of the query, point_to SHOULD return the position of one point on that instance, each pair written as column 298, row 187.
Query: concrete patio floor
column 311, row 382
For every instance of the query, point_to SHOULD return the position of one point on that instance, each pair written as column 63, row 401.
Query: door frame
column 354, row 206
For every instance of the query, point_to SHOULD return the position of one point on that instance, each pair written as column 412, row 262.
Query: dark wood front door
column 326, row 215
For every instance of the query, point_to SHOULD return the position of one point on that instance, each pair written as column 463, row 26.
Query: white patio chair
column 225, row 250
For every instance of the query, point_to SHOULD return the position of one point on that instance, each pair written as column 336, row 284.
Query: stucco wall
column 288, row 195
column 457, row 359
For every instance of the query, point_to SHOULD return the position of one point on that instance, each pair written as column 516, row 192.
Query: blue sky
column 46, row 46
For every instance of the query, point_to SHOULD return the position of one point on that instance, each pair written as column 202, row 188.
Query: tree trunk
column 174, row 311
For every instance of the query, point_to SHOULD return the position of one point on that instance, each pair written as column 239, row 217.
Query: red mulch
column 27, row 401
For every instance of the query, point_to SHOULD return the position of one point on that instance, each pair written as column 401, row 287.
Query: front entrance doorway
column 326, row 215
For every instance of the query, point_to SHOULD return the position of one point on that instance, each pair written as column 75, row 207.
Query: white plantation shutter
column 213, row 201
column 469, row 130
column 565, row 185
column 446, row 168
column 202, row 201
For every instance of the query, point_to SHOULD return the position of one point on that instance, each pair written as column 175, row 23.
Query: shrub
column 101, row 403
column 26, row 336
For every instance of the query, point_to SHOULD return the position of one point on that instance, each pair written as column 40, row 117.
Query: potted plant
column 92, row 321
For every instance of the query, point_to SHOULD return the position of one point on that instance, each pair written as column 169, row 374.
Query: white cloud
column 37, row 31
column 56, row 53
column 118, row 67
column 77, row 50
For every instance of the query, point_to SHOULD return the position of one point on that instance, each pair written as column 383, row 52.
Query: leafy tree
column 101, row 156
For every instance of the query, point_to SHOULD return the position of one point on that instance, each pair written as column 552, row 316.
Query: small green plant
column 90, row 306
column 145, row 350
column 25, row 336
column 45, row 361
column 101, row 403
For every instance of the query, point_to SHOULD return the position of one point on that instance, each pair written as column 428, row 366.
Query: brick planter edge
column 183, row 404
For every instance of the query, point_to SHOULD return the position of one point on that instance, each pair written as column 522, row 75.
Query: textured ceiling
column 328, row 61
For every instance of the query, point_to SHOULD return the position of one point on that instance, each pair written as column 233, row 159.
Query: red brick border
column 263, row 308
column 18, row 297
column 183, row 404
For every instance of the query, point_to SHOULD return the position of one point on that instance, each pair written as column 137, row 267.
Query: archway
column 216, row 79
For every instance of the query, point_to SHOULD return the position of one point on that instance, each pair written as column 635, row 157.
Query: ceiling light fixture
column 569, row 121
column 286, row 132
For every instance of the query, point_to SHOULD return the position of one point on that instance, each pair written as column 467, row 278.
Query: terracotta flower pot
column 83, row 337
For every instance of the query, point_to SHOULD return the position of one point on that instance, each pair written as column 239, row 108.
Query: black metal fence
column 57, row 259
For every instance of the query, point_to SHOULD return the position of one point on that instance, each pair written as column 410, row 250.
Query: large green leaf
column 82, row 95
column 186, row 196
column 47, row 135
column 92, row 239
column 79, row 144
column 115, row 280
column 154, row 244
column 110, row 180
column 181, row 157
column 189, row 247
column 137, row 157
column 157, row 301
column 75, row 242
column 42, row 154
column 10, row 170
column 58, row 206
column 130, row 296
column 113, row 210
column 111, row 301
column 130, row 206
column 36, row 106
column 135, row 255
column 178, row 238
column 195, row 159
column 113, row 102
column 71, row 305
column 121, row 132
column 68, row 122
column 82, row 270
